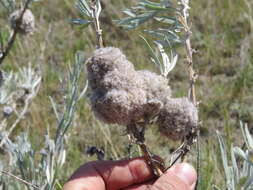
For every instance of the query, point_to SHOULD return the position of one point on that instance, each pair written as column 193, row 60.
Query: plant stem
column 19, row 179
column 183, row 18
column 194, row 135
column 155, row 163
column 96, row 9
column 13, row 34
column 15, row 124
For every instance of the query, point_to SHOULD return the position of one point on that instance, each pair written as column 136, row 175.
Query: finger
column 144, row 186
column 109, row 175
column 124, row 173
column 179, row 177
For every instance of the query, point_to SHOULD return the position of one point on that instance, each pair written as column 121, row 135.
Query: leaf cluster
column 41, row 168
column 239, row 175
column 164, row 14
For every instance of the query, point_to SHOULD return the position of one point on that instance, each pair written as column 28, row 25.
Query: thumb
column 180, row 177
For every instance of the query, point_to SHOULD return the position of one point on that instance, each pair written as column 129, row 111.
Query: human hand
column 131, row 174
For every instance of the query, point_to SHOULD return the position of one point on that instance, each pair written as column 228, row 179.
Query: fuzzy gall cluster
column 122, row 95
column 26, row 25
column 177, row 118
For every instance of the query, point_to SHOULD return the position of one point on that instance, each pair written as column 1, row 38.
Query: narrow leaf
column 156, row 59
column 84, row 8
column 165, row 19
column 78, row 21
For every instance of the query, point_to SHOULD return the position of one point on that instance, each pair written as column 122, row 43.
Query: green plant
column 17, row 92
column 238, row 165
column 39, row 169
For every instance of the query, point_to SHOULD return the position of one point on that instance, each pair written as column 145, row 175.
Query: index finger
column 109, row 175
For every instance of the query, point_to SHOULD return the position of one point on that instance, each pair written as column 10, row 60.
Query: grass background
column 223, row 38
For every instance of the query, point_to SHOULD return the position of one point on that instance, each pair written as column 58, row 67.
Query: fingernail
column 185, row 172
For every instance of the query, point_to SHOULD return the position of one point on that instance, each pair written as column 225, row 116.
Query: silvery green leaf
column 153, row 6
column 134, row 22
column 165, row 59
column 156, row 34
column 84, row 8
column 165, row 19
column 145, row 11
column 72, row 99
column 129, row 12
column 127, row 23
column 54, row 108
column 81, row 22
column 249, row 182
column 62, row 158
column 84, row 90
column 232, row 178
column 166, row 3
column 234, row 164
column 167, row 63
column 224, row 159
column 164, row 34
column 9, row 5
column 170, row 34
column 146, row 2
column 246, row 135
column 243, row 134
column 28, row 79
column 8, row 87
column 248, row 185
column 238, row 151
column 245, row 169
column 155, row 59
column 48, row 175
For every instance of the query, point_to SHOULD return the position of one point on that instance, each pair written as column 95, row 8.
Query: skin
column 131, row 174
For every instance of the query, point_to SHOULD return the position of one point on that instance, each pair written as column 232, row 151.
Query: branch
column 14, row 125
column 193, row 136
column 19, row 179
column 13, row 34
column 183, row 18
column 96, row 10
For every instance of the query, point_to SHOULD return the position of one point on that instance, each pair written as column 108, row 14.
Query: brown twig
column 13, row 34
column 193, row 136
column 96, row 9
column 183, row 18
column 155, row 163
column 19, row 179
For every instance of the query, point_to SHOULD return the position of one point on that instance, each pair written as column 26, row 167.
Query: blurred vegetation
column 222, row 37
